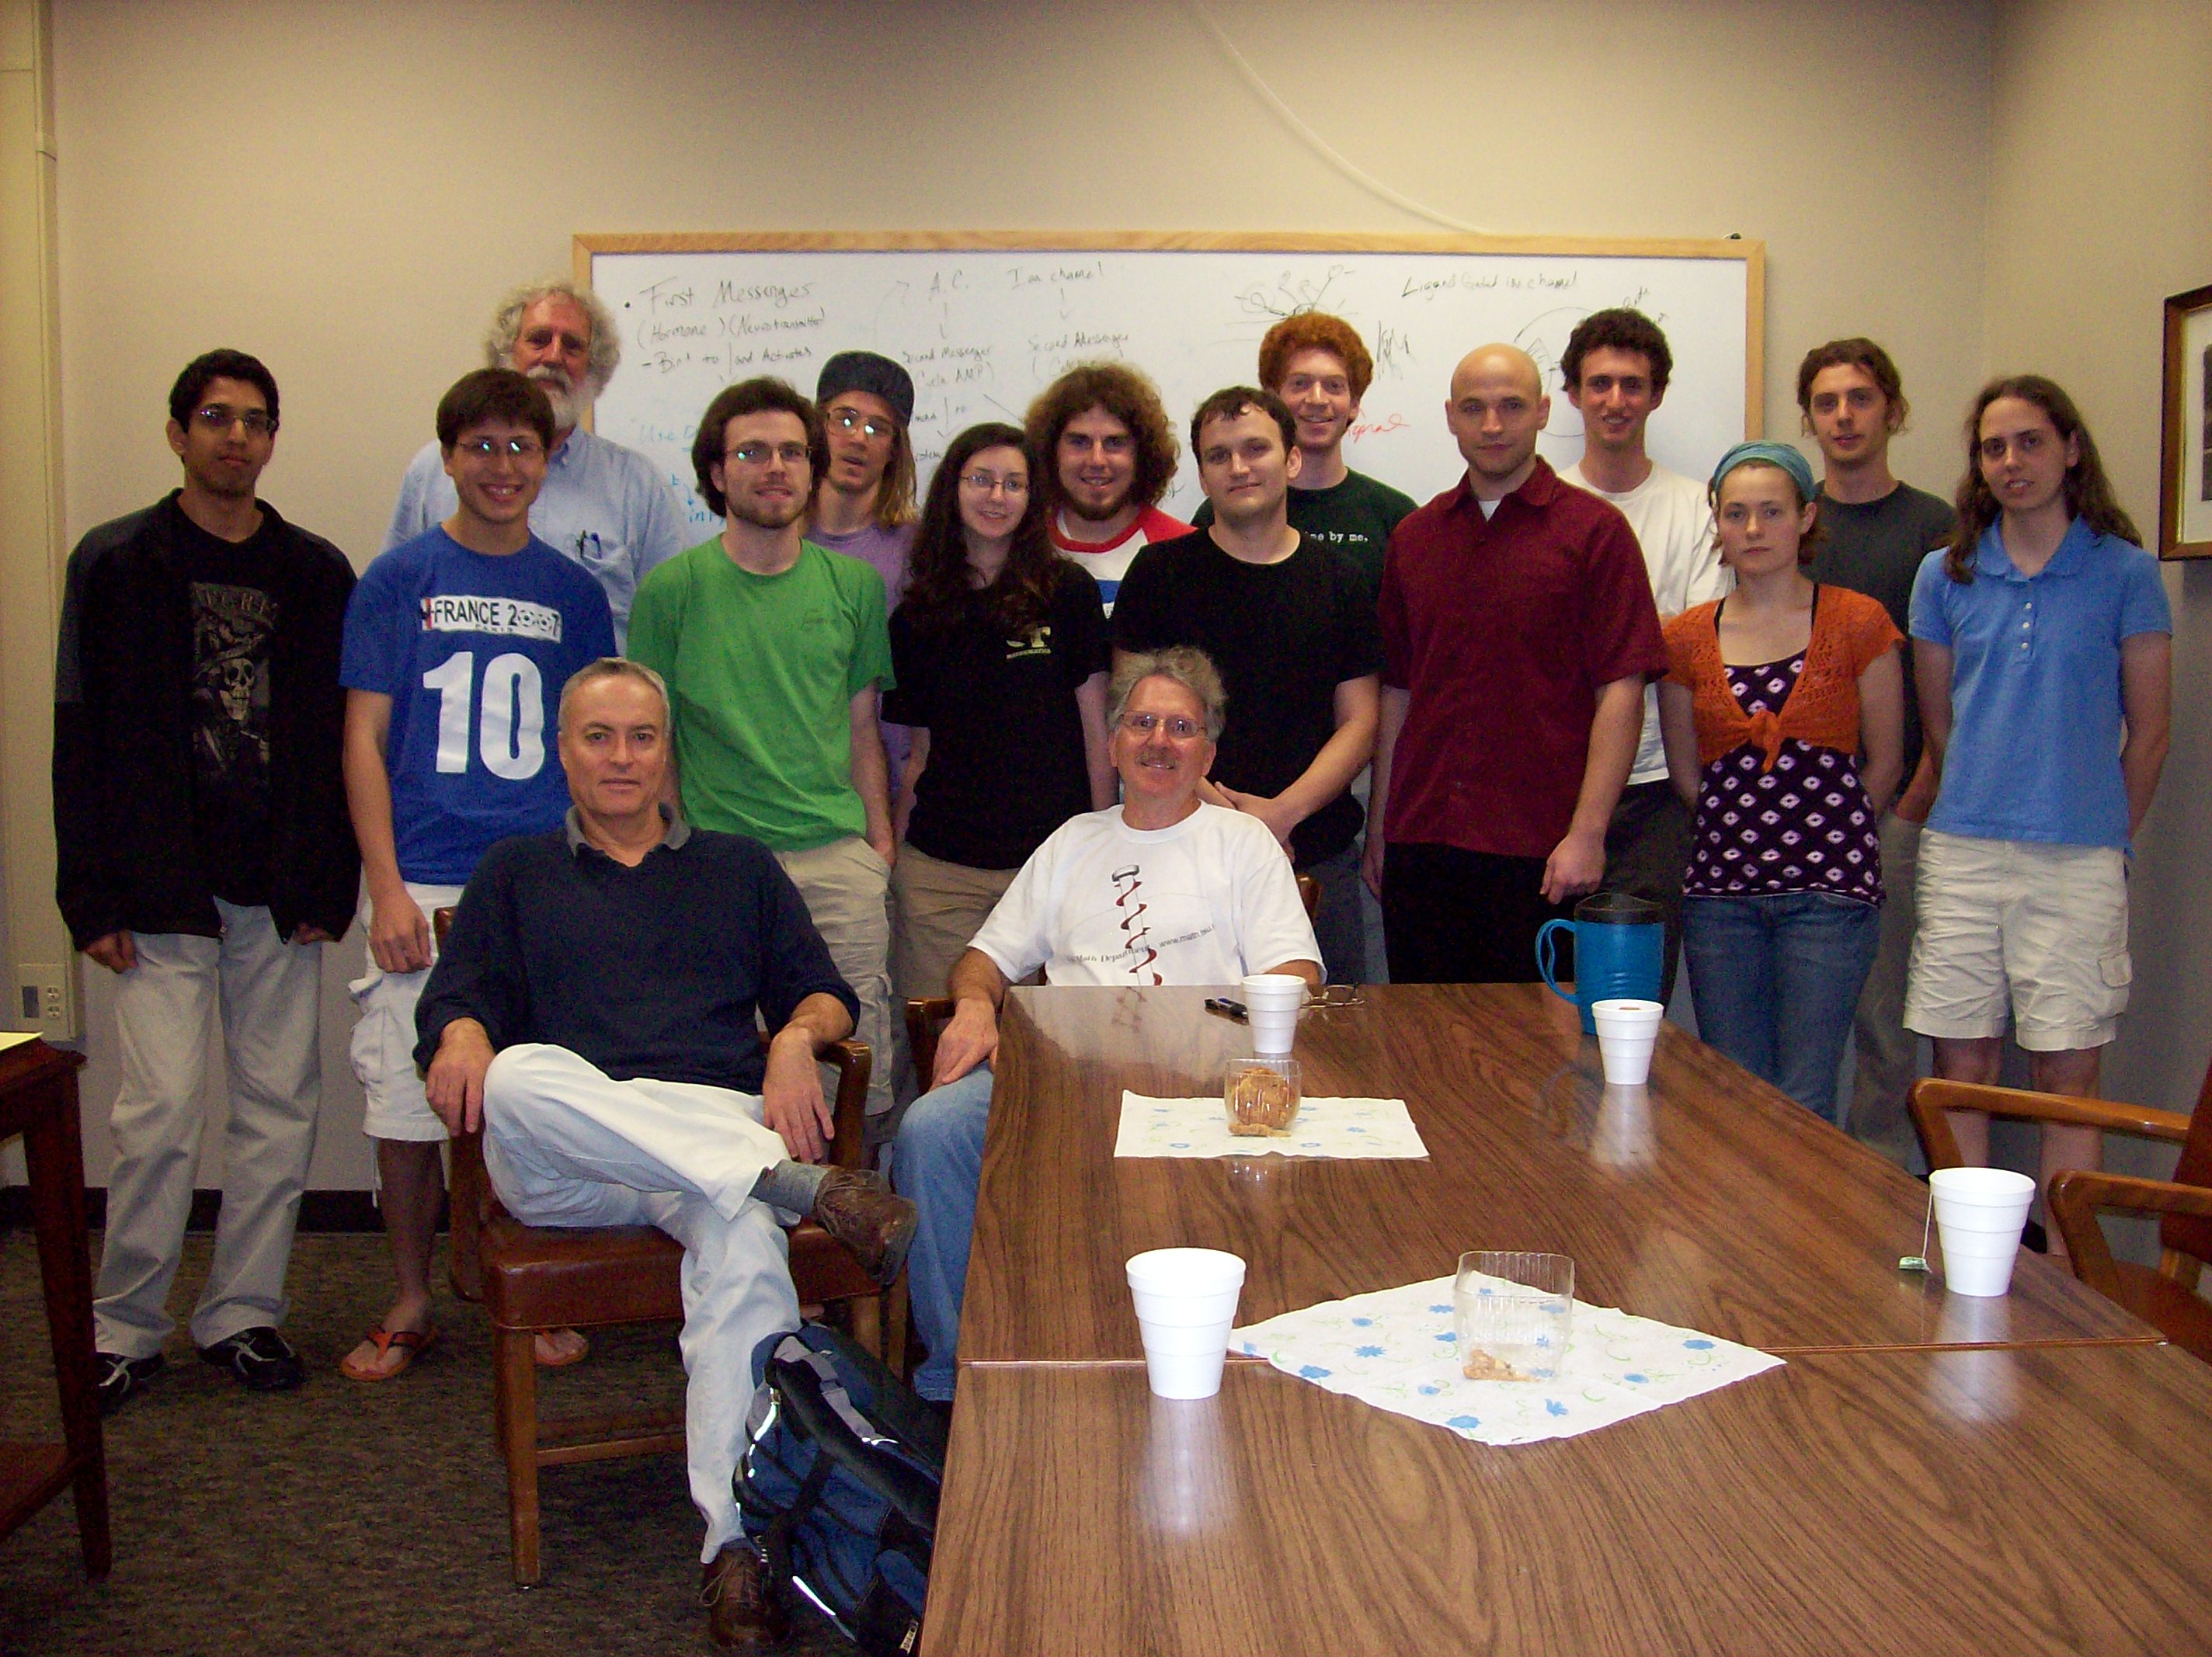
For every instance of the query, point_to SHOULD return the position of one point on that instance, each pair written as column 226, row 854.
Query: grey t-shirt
column 1875, row 547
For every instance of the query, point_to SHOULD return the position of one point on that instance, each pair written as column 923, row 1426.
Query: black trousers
column 1647, row 853
column 1456, row 917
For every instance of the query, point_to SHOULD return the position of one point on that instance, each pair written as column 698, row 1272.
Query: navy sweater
column 656, row 971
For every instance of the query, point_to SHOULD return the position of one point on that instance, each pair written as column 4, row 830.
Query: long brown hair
column 1124, row 393
column 939, row 587
column 2088, row 492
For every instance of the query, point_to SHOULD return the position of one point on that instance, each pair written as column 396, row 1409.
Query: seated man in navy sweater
column 595, row 1008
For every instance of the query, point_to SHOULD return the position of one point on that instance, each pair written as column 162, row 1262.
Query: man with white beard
column 603, row 506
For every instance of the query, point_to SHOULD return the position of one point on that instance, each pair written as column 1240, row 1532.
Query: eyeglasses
column 220, row 417
column 850, row 419
column 1143, row 724
column 984, row 482
column 758, row 455
column 486, row 448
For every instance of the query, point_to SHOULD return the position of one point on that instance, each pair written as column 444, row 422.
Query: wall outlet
column 44, row 1000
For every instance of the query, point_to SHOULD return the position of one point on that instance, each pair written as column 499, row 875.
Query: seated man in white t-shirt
column 1163, row 889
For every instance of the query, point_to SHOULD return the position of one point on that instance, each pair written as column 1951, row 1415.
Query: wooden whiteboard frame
column 1750, row 254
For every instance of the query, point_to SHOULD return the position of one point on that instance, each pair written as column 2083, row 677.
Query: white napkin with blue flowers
column 1394, row 1349
column 1325, row 1127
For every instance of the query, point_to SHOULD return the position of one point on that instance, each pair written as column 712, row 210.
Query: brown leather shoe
column 862, row 1213
column 741, row 1612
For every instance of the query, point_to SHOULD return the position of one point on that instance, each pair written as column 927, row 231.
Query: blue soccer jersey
column 473, row 651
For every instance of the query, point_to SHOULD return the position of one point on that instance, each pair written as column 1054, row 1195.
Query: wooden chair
column 2165, row 1298
column 926, row 1018
column 1309, row 893
column 537, row 1278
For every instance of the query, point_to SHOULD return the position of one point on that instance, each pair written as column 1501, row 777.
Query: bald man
column 1518, row 632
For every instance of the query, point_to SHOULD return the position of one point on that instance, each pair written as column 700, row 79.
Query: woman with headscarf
column 1773, row 694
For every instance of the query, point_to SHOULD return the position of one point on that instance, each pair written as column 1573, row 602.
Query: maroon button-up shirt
column 1502, row 631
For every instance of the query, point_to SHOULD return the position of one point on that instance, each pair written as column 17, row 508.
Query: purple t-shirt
column 883, row 551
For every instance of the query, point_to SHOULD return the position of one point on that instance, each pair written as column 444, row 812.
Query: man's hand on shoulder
column 971, row 1038
column 454, row 1082
column 791, row 1094
column 1576, row 866
column 1269, row 809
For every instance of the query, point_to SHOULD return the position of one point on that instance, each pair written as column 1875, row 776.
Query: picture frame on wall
column 2185, row 505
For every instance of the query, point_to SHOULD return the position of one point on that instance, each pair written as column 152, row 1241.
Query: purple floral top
column 1803, row 827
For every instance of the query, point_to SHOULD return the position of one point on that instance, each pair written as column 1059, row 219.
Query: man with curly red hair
column 1319, row 367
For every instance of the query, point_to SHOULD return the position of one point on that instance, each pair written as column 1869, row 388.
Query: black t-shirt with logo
column 1006, row 764
column 233, row 587
column 1283, row 636
column 1354, row 516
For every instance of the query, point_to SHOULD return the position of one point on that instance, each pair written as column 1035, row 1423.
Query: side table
column 38, row 1100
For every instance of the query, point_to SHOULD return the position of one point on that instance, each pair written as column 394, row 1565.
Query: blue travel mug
column 1620, row 950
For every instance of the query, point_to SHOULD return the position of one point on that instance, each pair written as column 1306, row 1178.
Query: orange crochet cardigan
column 1849, row 631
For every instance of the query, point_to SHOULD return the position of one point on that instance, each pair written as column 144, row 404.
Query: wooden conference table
column 1926, row 1472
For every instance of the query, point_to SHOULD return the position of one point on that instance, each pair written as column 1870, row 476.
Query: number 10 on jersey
column 511, row 730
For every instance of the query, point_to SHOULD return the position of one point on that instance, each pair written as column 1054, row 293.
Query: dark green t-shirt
column 1355, row 517
column 1875, row 548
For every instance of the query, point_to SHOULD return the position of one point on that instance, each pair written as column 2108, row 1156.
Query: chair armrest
column 926, row 1017
column 849, row 1118
column 1932, row 1096
column 2076, row 1197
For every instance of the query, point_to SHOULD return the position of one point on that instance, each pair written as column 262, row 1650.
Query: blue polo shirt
column 2035, row 686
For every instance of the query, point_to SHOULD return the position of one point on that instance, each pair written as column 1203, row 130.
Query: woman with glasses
column 2043, row 648
column 1773, row 694
column 1000, row 650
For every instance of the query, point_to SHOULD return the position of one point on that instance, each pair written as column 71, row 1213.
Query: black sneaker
column 121, row 1378
column 261, row 1359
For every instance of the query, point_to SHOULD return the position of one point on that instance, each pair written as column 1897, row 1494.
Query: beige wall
column 343, row 188
column 2101, row 148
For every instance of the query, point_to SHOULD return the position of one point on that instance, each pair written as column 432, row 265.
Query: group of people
column 699, row 811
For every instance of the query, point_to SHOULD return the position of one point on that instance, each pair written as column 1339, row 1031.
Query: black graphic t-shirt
column 234, row 618
column 1006, row 763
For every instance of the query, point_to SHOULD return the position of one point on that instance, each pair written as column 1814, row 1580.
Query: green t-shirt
column 1355, row 517
column 763, row 669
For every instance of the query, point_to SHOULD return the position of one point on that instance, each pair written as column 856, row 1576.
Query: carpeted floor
column 343, row 1518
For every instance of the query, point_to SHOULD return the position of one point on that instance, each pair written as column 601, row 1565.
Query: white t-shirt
column 1674, row 526
column 1203, row 902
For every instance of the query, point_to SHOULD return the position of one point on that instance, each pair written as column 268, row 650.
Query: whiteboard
column 984, row 324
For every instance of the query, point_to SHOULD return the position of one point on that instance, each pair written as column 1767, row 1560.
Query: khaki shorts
column 2023, row 931
column 384, row 1036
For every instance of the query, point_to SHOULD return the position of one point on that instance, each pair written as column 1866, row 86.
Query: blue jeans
column 1337, row 926
column 1776, row 980
column 937, row 1166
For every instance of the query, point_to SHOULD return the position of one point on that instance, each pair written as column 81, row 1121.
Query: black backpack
column 837, row 1486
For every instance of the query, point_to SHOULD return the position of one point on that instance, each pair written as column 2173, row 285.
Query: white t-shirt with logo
column 1674, row 526
column 1205, row 902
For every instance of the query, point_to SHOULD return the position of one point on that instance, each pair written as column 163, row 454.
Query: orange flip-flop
column 411, row 1342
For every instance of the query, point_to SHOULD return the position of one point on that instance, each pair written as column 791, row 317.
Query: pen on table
column 1222, row 1007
